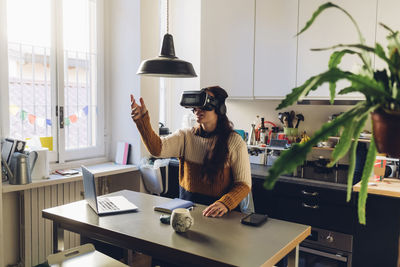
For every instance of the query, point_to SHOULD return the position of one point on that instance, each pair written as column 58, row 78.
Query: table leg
column 293, row 257
column 58, row 236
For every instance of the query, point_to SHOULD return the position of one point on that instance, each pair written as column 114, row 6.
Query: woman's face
column 205, row 116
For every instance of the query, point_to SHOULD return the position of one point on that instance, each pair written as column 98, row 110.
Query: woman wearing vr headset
column 214, row 164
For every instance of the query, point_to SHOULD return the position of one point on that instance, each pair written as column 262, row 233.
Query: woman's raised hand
column 137, row 111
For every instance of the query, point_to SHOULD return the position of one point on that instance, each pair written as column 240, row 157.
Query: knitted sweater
column 230, row 187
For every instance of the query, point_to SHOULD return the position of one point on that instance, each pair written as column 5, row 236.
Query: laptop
column 103, row 205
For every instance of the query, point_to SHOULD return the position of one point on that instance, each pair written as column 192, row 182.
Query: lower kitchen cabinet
column 319, row 207
column 377, row 242
column 326, row 210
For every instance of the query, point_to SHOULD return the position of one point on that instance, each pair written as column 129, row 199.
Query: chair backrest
column 155, row 176
column 152, row 180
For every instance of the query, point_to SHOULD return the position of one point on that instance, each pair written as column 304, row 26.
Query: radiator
column 36, row 233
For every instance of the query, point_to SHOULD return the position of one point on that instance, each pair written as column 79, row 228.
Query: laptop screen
column 89, row 187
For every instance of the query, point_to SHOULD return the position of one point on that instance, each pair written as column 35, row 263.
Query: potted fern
column 382, row 104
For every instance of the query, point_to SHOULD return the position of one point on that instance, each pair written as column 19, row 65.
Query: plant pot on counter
column 386, row 127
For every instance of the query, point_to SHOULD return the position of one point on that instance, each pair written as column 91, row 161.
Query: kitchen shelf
column 323, row 148
column 266, row 147
column 364, row 140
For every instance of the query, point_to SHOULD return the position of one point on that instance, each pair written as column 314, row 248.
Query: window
column 55, row 89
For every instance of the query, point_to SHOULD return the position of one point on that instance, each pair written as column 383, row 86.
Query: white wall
column 243, row 112
column 185, row 28
column 150, row 48
column 131, row 35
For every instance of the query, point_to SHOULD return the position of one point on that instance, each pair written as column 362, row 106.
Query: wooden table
column 215, row 241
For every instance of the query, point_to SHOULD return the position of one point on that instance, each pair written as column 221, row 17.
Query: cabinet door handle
column 309, row 206
column 304, row 192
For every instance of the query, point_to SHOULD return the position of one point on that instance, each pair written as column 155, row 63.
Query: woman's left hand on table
column 217, row 209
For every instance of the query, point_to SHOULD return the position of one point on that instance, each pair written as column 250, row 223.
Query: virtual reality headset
column 199, row 99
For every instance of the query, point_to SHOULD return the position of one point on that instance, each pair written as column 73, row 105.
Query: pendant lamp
column 167, row 64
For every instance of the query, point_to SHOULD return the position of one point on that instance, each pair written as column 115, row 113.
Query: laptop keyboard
column 107, row 205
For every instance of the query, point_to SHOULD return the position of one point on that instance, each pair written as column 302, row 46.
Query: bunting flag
column 23, row 115
column 14, row 110
column 31, row 118
column 73, row 118
column 41, row 122
column 86, row 110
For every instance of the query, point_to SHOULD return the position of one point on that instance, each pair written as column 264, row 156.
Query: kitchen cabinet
column 250, row 49
column 331, row 28
column 275, row 48
column 324, row 206
column 387, row 13
column 227, row 46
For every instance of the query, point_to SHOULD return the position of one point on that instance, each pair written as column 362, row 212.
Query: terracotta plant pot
column 386, row 127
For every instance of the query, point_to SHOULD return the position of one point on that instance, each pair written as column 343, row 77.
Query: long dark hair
column 217, row 155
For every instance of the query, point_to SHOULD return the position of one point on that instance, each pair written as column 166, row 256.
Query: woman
column 214, row 164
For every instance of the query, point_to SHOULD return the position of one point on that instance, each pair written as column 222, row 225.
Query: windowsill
column 99, row 170
column 77, row 163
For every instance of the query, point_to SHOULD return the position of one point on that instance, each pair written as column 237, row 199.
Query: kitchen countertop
column 388, row 187
column 261, row 171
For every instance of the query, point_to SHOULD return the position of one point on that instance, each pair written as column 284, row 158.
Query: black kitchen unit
column 337, row 238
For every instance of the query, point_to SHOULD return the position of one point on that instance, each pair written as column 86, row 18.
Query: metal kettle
column 21, row 167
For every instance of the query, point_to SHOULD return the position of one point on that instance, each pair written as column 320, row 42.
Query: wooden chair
column 84, row 255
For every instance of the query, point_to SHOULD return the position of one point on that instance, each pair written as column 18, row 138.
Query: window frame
column 59, row 155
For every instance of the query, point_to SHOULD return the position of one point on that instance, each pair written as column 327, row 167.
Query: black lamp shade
column 167, row 64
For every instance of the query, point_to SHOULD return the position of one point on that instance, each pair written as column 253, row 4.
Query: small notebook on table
column 175, row 203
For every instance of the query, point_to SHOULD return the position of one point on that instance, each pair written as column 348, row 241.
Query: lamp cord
column 167, row 16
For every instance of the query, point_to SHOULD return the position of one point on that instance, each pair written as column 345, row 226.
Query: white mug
column 181, row 220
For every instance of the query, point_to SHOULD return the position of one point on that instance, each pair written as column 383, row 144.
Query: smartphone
column 254, row 219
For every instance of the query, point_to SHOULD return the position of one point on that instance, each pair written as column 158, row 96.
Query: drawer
column 312, row 212
column 311, row 193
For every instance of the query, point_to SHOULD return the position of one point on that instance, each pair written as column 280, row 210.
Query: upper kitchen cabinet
column 388, row 14
column 331, row 28
column 275, row 48
column 227, row 46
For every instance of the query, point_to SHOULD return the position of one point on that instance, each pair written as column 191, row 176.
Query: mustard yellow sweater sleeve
column 241, row 172
column 164, row 147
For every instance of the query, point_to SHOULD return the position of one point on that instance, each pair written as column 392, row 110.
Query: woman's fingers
column 221, row 213
column 216, row 209
column 206, row 210
column 137, row 110
column 209, row 210
column 133, row 102
column 142, row 102
column 143, row 106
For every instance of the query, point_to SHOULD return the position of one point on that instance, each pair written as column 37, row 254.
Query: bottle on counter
column 252, row 135
column 274, row 133
column 263, row 133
